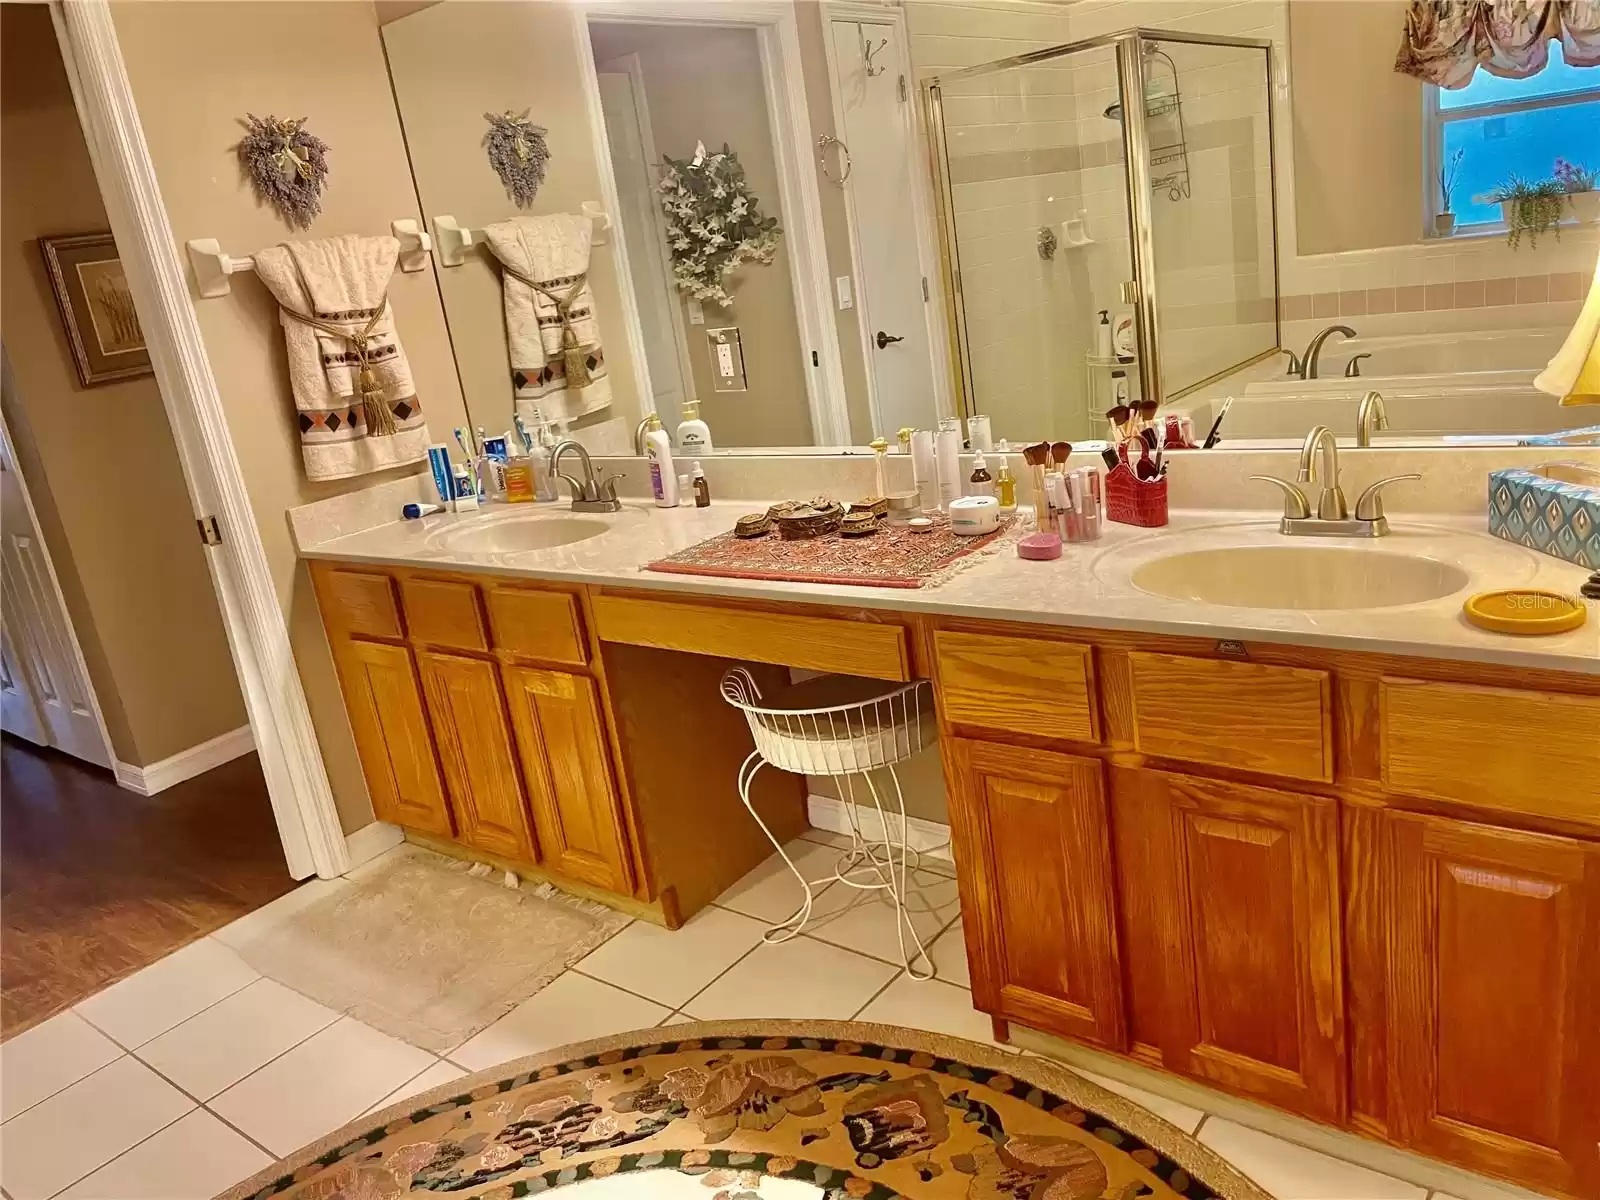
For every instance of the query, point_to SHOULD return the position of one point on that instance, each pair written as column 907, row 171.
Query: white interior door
column 634, row 161
column 874, row 102
column 45, row 695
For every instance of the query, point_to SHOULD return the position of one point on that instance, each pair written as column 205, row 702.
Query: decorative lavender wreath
column 714, row 222
column 518, row 153
column 287, row 167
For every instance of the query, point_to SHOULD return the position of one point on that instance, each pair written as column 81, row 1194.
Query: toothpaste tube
column 439, row 464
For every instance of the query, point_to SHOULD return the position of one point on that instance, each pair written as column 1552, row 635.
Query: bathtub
column 1435, row 386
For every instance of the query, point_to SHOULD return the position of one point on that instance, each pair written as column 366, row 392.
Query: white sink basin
column 519, row 534
column 1299, row 577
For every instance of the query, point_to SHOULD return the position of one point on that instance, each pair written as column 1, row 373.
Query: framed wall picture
column 96, row 307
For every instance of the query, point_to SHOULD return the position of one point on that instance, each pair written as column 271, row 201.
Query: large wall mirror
column 931, row 203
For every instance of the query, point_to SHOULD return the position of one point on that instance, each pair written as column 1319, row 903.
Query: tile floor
column 196, row 1072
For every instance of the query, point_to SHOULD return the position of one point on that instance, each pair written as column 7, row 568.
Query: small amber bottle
column 702, row 489
column 981, row 483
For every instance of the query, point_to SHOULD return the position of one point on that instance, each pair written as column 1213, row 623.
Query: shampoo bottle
column 663, row 479
column 1102, row 336
column 1122, row 336
column 694, row 436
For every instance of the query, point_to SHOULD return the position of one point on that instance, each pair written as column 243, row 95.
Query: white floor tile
column 865, row 920
column 60, row 1140
column 323, row 1082
column 52, row 1055
column 195, row 1157
column 215, row 1049
column 574, row 1008
column 826, row 837
column 435, row 1076
column 167, row 992
column 1292, row 1172
column 950, row 956
column 795, row 979
column 771, row 892
column 931, row 1005
column 669, row 966
column 1182, row 1115
column 268, row 917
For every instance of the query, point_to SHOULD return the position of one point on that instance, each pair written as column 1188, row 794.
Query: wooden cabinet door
column 1034, row 851
column 391, row 732
column 1494, row 1000
column 576, row 809
column 1256, row 999
column 480, row 768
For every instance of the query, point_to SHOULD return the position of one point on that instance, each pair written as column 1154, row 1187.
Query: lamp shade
column 1574, row 372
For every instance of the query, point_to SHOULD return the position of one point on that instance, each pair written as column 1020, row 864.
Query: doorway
column 876, row 166
column 135, row 813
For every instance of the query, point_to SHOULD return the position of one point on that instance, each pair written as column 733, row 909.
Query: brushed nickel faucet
column 1371, row 416
column 1319, row 463
column 590, row 495
column 1309, row 367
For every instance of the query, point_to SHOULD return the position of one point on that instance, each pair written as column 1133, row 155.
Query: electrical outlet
column 727, row 359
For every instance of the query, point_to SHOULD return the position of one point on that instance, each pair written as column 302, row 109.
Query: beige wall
column 101, row 464
column 196, row 70
column 705, row 84
column 451, row 64
column 1357, row 127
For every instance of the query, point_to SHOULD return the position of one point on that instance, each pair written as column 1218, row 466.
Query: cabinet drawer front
column 1025, row 685
column 1532, row 752
column 1234, row 714
column 813, row 643
column 444, row 612
column 535, row 624
column 359, row 602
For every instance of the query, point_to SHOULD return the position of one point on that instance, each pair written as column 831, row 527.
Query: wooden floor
column 97, row 882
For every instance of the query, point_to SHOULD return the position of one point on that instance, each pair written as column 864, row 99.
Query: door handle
column 886, row 339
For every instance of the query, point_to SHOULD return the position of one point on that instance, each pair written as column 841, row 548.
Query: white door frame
column 291, row 759
column 8, row 451
column 922, row 207
column 779, row 39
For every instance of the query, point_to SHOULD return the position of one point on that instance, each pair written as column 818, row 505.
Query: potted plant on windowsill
column 1533, row 206
column 1444, row 221
column 1579, row 181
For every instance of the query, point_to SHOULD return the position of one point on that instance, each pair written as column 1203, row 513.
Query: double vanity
column 1260, row 811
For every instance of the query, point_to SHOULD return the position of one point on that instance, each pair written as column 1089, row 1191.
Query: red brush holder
column 1134, row 501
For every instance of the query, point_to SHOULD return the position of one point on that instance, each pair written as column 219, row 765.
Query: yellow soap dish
column 1525, row 611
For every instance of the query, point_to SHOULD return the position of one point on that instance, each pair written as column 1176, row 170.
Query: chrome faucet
column 1371, row 416
column 1307, row 363
column 638, row 435
column 589, row 495
column 1332, row 518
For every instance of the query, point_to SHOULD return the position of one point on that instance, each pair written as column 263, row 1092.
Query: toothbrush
column 522, row 432
column 463, row 439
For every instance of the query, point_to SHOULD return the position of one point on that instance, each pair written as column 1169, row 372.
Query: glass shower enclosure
column 1127, row 176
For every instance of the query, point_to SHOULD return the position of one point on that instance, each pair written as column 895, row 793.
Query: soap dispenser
column 694, row 435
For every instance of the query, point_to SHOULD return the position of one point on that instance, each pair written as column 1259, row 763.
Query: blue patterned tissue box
column 1554, row 508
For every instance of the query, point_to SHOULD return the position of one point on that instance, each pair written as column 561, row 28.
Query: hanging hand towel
column 557, row 362
column 357, row 407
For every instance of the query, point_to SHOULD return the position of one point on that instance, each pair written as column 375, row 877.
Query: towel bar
column 453, row 238
column 212, row 267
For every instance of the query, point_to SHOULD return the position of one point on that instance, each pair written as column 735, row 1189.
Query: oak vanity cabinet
column 1032, row 837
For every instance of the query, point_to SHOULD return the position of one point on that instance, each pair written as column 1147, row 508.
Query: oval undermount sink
column 516, row 535
column 1299, row 577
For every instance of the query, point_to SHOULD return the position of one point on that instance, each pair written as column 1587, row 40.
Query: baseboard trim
column 826, row 812
column 186, row 764
column 366, row 843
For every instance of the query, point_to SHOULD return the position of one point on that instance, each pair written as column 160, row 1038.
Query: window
column 1510, row 127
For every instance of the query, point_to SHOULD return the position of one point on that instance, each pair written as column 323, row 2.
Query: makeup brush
column 1037, row 456
column 1147, row 412
column 1118, row 417
column 1059, row 453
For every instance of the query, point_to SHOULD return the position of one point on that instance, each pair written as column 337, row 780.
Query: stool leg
column 795, row 921
column 895, row 884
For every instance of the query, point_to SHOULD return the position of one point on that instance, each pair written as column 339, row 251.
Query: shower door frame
column 1141, row 291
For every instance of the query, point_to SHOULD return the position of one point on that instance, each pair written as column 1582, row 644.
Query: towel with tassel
column 1574, row 373
column 557, row 363
column 356, row 405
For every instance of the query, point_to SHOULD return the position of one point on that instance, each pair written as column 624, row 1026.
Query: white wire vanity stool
column 843, row 726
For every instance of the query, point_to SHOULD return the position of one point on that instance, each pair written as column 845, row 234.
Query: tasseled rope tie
column 374, row 408
column 572, row 355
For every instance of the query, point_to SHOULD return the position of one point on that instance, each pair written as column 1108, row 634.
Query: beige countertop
column 1090, row 585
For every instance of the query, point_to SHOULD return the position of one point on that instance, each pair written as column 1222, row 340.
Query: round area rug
column 762, row 1110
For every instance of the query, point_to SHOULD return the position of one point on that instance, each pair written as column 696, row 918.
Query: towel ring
column 823, row 142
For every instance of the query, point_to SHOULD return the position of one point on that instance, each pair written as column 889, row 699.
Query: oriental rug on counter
column 762, row 1110
column 895, row 556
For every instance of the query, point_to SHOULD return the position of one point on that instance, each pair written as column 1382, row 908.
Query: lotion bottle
column 663, row 479
column 694, row 435
column 1102, row 336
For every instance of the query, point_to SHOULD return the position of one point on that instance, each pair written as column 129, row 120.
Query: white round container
column 972, row 516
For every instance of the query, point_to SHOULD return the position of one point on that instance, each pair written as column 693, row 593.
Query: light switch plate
column 697, row 312
column 846, row 300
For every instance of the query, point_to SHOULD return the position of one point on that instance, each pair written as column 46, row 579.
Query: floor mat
column 427, row 952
